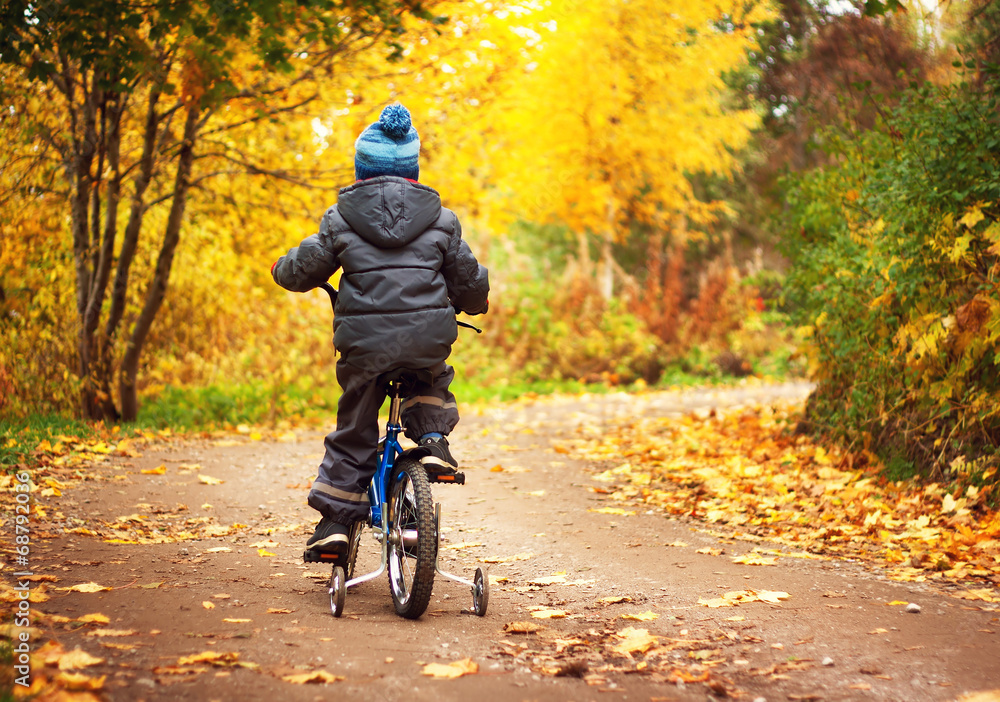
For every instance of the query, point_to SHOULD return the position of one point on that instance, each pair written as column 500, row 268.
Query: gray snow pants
column 340, row 491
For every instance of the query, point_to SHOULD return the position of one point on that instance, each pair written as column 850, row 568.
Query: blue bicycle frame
column 390, row 450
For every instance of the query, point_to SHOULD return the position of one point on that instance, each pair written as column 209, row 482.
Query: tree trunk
column 161, row 275
column 606, row 269
column 81, row 161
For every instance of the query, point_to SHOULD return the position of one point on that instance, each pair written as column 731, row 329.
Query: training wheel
column 338, row 591
column 480, row 593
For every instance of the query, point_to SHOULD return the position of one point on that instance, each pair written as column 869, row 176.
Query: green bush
column 894, row 283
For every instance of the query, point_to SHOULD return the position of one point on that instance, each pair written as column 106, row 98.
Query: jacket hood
column 389, row 212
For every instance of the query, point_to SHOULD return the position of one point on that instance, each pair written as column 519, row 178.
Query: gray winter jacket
column 406, row 270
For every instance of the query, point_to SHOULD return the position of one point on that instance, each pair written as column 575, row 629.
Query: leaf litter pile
column 746, row 473
column 604, row 652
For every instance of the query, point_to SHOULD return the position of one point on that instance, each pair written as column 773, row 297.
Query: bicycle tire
column 412, row 539
column 353, row 546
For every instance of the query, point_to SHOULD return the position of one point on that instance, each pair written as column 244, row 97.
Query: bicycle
column 402, row 516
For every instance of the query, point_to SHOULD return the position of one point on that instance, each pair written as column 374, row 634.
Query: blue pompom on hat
column 388, row 147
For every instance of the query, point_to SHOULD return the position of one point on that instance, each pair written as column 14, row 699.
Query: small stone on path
column 913, row 608
column 828, row 661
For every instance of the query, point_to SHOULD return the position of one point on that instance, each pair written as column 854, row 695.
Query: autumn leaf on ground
column 216, row 658
column 159, row 470
column 740, row 471
column 548, row 580
column 463, row 545
column 731, row 599
column 549, row 614
column 85, row 587
column 709, row 551
column 79, row 682
column 208, row 605
column 209, row 480
column 77, row 658
column 615, row 600
column 455, row 669
column 316, row 676
column 772, row 596
column 507, row 559
column 276, row 610
column 266, row 554
column 755, row 559
column 612, row 510
column 522, row 627
column 95, row 618
column 111, row 632
column 982, row 594
column 635, row 641
column 642, row 616
column 232, row 620
column 984, row 696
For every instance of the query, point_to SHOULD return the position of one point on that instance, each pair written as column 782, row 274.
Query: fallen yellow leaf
column 77, row 658
column 755, row 559
column 79, row 682
column 635, row 641
column 159, row 470
column 209, row 480
column 549, row 614
column 85, row 587
column 772, row 596
column 612, row 510
column 455, row 669
column 208, row 605
column 94, row 619
column 984, row 696
column 101, row 633
column 642, row 616
column 548, row 580
column 217, row 658
column 316, row 676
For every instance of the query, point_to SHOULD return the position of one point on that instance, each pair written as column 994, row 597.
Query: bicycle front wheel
column 412, row 539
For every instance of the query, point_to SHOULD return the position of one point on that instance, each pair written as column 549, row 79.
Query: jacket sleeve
column 468, row 281
column 310, row 263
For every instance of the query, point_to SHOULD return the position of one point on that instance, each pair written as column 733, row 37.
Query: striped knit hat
column 388, row 147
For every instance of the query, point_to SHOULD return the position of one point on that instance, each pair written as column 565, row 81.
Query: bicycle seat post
column 394, row 403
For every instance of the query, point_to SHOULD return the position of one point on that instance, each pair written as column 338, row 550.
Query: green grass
column 18, row 437
column 262, row 404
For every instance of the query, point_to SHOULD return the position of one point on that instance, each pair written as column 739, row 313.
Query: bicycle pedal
column 312, row 556
column 454, row 478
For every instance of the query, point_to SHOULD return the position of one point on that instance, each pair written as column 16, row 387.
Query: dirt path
column 526, row 509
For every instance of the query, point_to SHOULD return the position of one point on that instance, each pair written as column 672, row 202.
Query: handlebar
column 332, row 292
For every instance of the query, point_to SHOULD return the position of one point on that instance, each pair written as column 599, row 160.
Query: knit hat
column 388, row 147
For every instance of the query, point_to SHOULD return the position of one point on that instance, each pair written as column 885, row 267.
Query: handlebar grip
column 332, row 292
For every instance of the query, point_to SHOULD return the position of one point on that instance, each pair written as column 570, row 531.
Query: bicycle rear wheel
column 412, row 539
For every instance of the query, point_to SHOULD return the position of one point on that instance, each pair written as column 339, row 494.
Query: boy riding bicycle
column 406, row 271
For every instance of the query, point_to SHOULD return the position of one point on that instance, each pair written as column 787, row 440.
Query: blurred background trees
column 661, row 190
